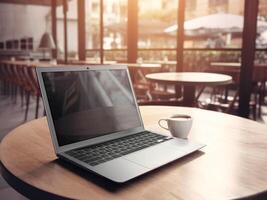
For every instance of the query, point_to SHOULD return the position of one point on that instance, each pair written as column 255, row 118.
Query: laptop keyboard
column 103, row 152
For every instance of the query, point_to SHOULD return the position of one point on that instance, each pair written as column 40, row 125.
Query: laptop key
column 100, row 153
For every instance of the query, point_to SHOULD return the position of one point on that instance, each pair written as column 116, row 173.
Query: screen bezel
column 110, row 136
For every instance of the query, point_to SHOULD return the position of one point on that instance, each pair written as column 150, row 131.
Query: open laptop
column 95, row 123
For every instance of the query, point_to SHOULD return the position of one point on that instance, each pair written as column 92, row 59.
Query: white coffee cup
column 179, row 125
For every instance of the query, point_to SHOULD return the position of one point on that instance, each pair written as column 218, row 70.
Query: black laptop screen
column 88, row 104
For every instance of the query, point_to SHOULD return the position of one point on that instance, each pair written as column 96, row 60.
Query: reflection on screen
column 87, row 104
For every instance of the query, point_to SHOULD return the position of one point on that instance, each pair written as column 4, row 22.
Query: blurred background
column 142, row 34
column 220, row 36
column 208, row 24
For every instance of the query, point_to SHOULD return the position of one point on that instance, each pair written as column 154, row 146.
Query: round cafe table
column 190, row 80
column 232, row 165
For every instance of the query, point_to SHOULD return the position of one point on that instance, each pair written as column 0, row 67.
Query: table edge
column 33, row 192
column 25, row 188
column 191, row 83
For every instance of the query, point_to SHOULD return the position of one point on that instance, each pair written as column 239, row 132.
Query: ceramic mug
column 179, row 125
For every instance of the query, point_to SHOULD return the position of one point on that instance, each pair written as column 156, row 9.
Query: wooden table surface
column 190, row 80
column 232, row 165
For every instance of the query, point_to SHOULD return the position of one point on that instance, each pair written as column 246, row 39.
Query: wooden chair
column 229, row 104
column 32, row 89
column 24, row 82
column 3, row 78
column 8, row 80
column 160, row 96
column 141, row 91
column 18, row 82
column 260, row 77
column 262, row 94
column 221, row 98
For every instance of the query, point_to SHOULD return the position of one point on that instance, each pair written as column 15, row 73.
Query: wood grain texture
column 190, row 78
column 232, row 165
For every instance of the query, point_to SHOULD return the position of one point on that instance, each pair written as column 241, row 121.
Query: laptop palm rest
column 120, row 170
column 159, row 155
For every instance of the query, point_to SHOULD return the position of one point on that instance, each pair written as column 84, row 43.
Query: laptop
column 95, row 123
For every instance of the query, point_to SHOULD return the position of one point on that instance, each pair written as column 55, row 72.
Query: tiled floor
column 12, row 115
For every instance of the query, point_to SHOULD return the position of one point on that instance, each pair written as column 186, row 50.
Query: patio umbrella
column 220, row 21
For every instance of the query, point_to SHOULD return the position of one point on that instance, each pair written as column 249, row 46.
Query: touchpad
column 156, row 156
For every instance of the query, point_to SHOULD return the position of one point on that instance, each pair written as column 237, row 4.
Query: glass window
column 154, row 18
column 214, row 3
column 214, row 24
column 92, row 12
column 115, row 30
column 191, row 5
column 261, row 40
column 72, row 30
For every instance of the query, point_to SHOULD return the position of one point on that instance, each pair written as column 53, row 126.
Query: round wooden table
column 190, row 80
column 232, row 165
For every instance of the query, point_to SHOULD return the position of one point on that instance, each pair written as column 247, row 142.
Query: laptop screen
column 88, row 104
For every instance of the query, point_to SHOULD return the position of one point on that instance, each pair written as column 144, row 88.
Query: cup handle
column 162, row 125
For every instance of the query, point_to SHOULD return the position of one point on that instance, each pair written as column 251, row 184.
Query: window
column 155, row 42
column 202, row 29
column 261, row 40
column 213, row 3
column 115, row 34
column 190, row 5
column 114, row 30
column 72, row 30
column 92, row 21
column 216, row 24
